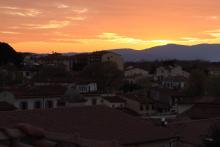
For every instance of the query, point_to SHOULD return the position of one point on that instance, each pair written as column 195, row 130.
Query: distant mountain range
column 209, row 52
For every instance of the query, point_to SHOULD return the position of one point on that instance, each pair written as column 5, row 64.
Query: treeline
column 186, row 65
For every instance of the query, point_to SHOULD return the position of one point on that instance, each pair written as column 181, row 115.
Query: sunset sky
column 90, row 25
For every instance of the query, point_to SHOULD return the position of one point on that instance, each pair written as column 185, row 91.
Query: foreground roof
column 97, row 122
column 194, row 132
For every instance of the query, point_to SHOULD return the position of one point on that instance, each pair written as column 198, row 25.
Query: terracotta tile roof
column 26, row 135
column 200, row 100
column 194, row 132
column 96, row 123
column 202, row 111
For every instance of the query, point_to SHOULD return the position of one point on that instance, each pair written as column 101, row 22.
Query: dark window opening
column 24, row 105
column 37, row 105
column 49, row 104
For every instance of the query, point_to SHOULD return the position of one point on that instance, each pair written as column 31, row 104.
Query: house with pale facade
column 140, row 104
column 39, row 97
column 170, row 71
column 175, row 82
column 113, row 101
column 88, row 87
column 134, row 74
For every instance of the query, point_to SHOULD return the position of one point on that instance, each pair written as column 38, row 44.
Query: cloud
column 213, row 17
column 80, row 11
column 62, row 6
column 53, row 24
column 16, row 11
column 80, row 18
column 9, row 32
column 188, row 39
column 10, row 8
column 214, row 33
column 208, row 18
column 124, row 39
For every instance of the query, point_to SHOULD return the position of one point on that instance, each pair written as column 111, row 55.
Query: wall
column 113, row 105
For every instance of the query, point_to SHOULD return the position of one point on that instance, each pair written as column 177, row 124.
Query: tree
column 197, row 84
column 213, row 86
column 107, row 75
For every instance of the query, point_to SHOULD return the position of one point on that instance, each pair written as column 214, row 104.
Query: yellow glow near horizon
column 80, row 26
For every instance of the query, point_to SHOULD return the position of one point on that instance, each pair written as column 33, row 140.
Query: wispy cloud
column 53, row 24
column 213, row 17
column 130, row 40
column 17, row 11
column 188, row 39
column 208, row 18
column 214, row 33
column 77, row 18
column 80, row 11
column 9, row 7
column 62, row 6
column 9, row 32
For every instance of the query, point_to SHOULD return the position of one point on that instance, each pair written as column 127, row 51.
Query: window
column 37, row 104
column 27, row 73
column 49, row 104
column 141, row 107
column 24, row 105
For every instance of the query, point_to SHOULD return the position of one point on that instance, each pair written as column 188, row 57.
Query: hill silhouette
column 209, row 52
column 8, row 55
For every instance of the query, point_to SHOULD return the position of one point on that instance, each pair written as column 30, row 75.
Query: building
column 214, row 71
column 135, row 74
column 79, row 61
column 107, row 56
column 114, row 101
column 87, row 87
column 56, row 60
column 93, row 99
column 141, row 104
column 38, row 97
column 170, row 71
column 176, row 82
column 95, row 123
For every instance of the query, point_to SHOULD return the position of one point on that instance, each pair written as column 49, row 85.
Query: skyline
column 83, row 26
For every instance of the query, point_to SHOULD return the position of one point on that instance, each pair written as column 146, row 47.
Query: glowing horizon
column 81, row 26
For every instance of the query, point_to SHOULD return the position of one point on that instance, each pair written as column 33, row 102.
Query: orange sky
column 89, row 25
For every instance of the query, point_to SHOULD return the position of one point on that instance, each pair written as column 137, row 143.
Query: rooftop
column 98, row 123
column 194, row 131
